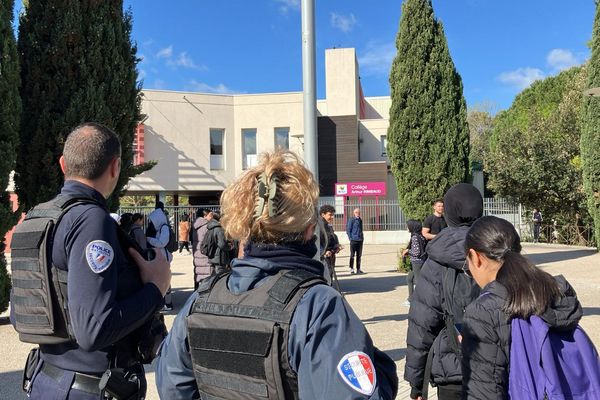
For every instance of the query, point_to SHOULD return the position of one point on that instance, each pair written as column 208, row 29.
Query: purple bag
column 552, row 364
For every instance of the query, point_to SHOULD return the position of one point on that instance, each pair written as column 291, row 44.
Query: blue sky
column 241, row 46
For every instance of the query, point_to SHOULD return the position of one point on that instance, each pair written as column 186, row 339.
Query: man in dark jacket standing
column 333, row 245
column 202, row 268
column 220, row 260
column 537, row 224
column 354, row 229
column 444, row 292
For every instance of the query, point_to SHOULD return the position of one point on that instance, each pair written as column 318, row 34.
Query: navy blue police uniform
column 329, row 349
column 106, row 301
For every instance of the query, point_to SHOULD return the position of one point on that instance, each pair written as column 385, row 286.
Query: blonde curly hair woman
column 272, row 328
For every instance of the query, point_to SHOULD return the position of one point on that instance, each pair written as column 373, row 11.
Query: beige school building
column 203, row 141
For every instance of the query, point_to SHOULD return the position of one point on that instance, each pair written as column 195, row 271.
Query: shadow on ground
column 382, row 318
column 396, row 355
column 557, row 256
column 368, row 253
column 591, row 311
column 371, row 284
column 11, row 385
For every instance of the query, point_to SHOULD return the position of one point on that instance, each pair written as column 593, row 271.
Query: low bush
column 403, row 264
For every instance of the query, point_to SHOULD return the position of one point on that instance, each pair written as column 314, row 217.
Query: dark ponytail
column 530, row 290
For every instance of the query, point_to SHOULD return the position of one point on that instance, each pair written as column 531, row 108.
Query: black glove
column 414, row 392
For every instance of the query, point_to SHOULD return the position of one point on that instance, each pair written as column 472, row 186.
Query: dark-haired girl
column 511, row 288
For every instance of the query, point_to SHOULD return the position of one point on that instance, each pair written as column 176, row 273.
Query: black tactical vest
column 39, row 288
column 239, row 343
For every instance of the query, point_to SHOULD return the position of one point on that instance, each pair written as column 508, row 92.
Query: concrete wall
column 370, row 132
column 177, row 137
column 265, row 112
column 341, row 78
column 378, row 107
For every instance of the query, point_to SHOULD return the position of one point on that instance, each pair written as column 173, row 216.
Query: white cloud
column 561, row 59
column 521, row 78
column 344, row 23
column 167, row 52
column 377, row 59
column 286, row 5
column 184, row 60
column 202, row 87
column 142, row 74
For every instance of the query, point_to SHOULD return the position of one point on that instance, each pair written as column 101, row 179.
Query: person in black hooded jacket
column 511, row 287
column 220, row 260
column 426, row 319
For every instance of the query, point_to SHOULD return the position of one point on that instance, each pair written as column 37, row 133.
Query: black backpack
column 208, row 247
column 458, row 291
column 422, row 246
column 172, row 244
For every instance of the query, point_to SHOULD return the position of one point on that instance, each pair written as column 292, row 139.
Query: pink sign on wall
column 360, row 189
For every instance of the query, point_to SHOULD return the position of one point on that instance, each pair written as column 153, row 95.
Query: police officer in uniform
column 111, row 291
column 272, row 328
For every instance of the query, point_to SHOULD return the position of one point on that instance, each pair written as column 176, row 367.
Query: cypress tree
column 78, row 64
column 10, row 114
column 428, row 136
column 590, row 136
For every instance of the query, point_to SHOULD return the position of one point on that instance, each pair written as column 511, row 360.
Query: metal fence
column 382, row 215
column 505, row 209
column 571, row 234
column 386, row 215
column 174, row 213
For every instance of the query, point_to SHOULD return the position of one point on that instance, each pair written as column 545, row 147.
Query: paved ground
column 376, row 297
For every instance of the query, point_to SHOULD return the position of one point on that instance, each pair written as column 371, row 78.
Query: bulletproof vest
column 39, row 288
column 239, row 343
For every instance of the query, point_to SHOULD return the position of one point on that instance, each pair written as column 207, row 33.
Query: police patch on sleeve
column 357, row 370
column 99, row 255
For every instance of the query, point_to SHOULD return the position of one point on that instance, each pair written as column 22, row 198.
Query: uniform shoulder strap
column 57, row 207
column 205, row 286
column 288, row 284
column 208, row 283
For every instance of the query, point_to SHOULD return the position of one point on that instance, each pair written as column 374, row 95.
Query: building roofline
column 223, row 94
column 377, row 97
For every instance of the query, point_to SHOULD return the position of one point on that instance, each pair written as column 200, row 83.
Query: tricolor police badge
column 99, row 255
column 357, row 370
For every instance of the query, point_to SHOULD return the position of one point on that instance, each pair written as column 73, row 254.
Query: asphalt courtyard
column 376, row 297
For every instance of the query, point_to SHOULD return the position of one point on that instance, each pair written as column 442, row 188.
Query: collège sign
column 360, row 189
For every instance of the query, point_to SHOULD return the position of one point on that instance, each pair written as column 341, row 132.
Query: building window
column 249, row 158
column 282, row 138
column 383, row 145
column 216, row 148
